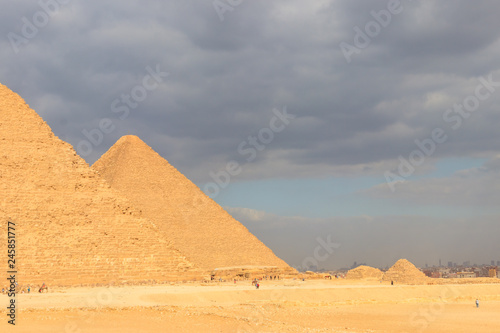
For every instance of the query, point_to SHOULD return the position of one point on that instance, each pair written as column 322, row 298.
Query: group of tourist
column 21, row 290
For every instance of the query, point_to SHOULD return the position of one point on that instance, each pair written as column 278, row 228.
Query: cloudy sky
column 335, row 130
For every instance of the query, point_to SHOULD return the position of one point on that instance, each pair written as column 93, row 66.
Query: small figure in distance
column 29, row 289
column 392, row 283
column 477, row 303
column 257, row 285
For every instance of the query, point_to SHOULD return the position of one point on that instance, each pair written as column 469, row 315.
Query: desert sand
column 278, row 306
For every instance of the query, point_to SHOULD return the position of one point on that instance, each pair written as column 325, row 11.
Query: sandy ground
column 278, row 306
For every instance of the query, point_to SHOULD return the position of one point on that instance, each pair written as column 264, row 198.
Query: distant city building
column 450, row 264
column 466, row 263
column 492, row 272
column 465, row 275
column 436, row 275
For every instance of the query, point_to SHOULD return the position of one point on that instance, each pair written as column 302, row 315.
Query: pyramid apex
column 129, row 148
column 130, row 138
column 130, row 141
column 16, row 117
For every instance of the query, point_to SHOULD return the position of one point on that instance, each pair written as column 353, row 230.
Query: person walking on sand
column 477, row 303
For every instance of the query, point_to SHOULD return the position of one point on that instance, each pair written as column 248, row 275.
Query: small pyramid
column 364, row 272
column 197, row 225
column 71, row 227
column 404, row 271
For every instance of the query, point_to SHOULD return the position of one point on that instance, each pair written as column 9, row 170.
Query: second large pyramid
column 202, row 230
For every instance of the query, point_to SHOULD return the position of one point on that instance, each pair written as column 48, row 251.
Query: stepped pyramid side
column 71, row 227
column 197, row 225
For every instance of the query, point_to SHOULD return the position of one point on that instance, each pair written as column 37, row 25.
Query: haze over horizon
column 369, row 126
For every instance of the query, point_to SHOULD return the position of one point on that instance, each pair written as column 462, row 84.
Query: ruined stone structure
column 364, row 272
column 72, row 228
column 197, row 225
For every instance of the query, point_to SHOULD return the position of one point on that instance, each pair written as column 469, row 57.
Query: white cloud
column 247, row 214
column 475, row 187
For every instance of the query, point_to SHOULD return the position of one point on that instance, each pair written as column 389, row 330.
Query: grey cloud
column 227, row 76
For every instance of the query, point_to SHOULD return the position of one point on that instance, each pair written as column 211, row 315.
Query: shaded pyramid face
column 197, row 225
column 71, row 227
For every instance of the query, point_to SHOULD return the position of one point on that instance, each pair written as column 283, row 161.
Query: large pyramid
column 71, row 227
column 197, row 225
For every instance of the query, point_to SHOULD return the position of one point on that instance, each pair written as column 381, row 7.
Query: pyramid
column 364, row 272
column 197, row 225
column 72, row 228
column 404, row 271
